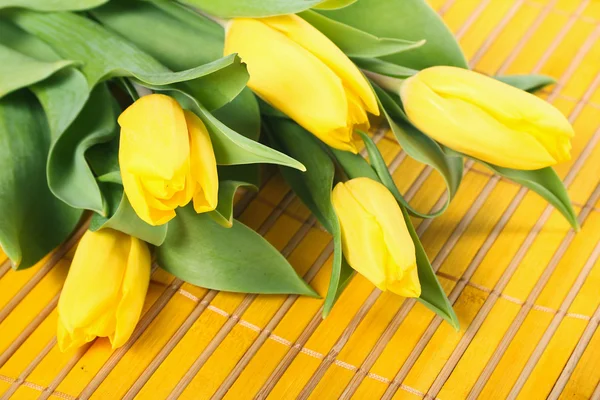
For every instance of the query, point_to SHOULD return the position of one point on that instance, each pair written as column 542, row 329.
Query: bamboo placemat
column 524, row 286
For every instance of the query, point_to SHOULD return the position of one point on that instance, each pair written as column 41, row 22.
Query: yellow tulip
column 375, row 239
column 166, row 159
column 486, row 119
column 105, row 289
column 299, row 71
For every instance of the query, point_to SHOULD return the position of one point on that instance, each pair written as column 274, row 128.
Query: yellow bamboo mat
column 525, row 287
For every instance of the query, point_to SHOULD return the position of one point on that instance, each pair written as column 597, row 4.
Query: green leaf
column 230, row 147
column 18, row 70
column 333, row 4
column 155, row 27
column 530, row 83
column 33, row 221
column 223, row 214
column 53, row 5
column 432, row 293
column 544, row 182
column 252, row 8
column 122, row 217
column 242, row 115
column 63, row 94
column 408, row 20
column 379, row 165
column 104, row 55
column 384, row 68
column 237, row 259
column 421, row 147
column 69, row 176
column 313, row 187
column 357, row 43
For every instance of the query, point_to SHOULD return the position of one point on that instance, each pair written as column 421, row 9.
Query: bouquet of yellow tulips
column 142, row 119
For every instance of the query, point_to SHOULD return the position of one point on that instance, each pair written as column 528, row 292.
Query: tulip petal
column 487, row 119
column 133, row 292
column 153, row 139
column 307, row 36
column 362, row 239
column 376, row 198
column 203, row 165
column 147, row 208
column 92, row 285
column 288, row 76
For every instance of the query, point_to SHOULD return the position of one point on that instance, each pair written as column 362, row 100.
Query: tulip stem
column 385, row 82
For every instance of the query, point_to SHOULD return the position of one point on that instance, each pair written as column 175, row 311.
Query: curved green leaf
column 529, row 83
column 544, row 182
column 251, row 8
column 53, row 5
column 421, row 147
column 63, row 94
column 384, row 67
column 18, row 70
column 223, row 214
column 432, row 293
column 104, row 55
column 69, row 176
column 334, row 4
column 313, row 187
column 122, row 217
column 409, row 20
column 237, row 259
column 33, row 221
column 357, row 43
column 379, row 165
column 155, row 26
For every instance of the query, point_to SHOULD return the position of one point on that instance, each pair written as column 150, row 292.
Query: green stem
column 385, row 82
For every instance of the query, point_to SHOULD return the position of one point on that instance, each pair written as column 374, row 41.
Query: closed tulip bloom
column 299, row 71
column 105, row 289
column 166, row 159
column 375, row 239
column 486, row 119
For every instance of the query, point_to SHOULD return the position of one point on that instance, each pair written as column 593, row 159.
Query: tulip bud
column 166, row 159
column 375, row 239
column 299, row 71
column 105, row 289
column 486, row 119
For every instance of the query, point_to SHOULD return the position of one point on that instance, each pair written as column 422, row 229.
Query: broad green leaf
column 529, row 83
column 313, row 187
column 53, row 5
column 155, row 26
column 408, row 20
column 334, row 4
column 223, row 214
column 122, row 217
column 379, row 165
column 230, row 147
column 63, row 94
column 384, row 67
column 18, row 70
column 237, row 259
column 105, row 54
column 241, row 115
column 421, row 147
column 69, row 176
column 33, row 221
column 544, row 182
column 251, row 8
column 432, row 293
column 357, row 43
